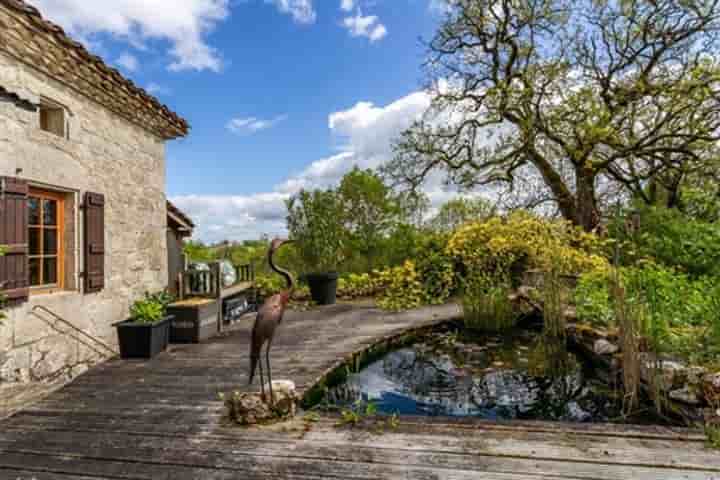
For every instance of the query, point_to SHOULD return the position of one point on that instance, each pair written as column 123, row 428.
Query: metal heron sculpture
column 268, row 318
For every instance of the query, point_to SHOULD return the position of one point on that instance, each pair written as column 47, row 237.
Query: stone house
column 83, row 212
column 180, row 227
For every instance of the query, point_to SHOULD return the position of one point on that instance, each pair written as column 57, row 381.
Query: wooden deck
column 161, row 420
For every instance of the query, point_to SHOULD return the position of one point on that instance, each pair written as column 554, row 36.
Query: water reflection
column 493, row 378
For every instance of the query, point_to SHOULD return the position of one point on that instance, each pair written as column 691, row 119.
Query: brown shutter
column 94, row 242
column 14, row 276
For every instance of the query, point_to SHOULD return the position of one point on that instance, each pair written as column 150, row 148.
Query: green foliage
column 712, row 432
column 360, row 285
column 436, row 269
column 554, row 299
column 522, row 240
column 702, row 203
column 315, row 222
column 672, row 239
column 486, row 303
column 457, row 212
column 359, row 411
column 371, row 212
column 674, row 312
column 151, row 308
column 267, row 285
column 403, row 243
column 197, row 251
column 402, row 288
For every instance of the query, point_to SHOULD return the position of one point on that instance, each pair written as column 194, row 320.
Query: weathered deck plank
column 162, row 419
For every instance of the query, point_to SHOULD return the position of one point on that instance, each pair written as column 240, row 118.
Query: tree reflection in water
column 515, row 377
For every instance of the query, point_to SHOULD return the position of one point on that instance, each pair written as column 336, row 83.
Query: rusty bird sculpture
column 268, row 318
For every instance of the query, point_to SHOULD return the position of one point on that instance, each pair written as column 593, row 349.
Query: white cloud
column 302, row 11
column 128, row 61
column 365, row 133
column 439, row 6
column 347, row 5
column 184, row 24
column 365, row 26
column 250, row 125
column 157, row 89
column 235, row 217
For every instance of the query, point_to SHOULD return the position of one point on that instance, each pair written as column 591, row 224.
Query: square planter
column 143, row 340
column 194, row 320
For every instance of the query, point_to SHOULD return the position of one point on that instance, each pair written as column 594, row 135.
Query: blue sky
column 280, row 94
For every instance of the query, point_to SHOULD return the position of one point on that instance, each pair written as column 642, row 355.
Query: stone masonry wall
column 103, row 154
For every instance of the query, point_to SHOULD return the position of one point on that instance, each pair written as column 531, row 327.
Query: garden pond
column 519, row 375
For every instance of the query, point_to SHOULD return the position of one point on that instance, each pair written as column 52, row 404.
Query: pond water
column 516, row 376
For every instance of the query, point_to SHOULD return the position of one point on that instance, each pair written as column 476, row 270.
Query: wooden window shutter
column 14, row 275
column 94, row 242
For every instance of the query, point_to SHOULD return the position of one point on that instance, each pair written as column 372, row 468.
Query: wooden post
column 215, row 268
column 181, row 285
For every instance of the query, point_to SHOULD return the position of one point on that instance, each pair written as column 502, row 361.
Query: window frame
column 50, row 107
column 59, row 198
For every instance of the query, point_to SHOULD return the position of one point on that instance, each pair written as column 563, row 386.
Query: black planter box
column 194, row 320
column 323, row 287
column 143, row 340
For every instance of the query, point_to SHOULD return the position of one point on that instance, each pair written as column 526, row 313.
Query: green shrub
column 670, row 238
column 315, row 222
column 501, row 243
column 402, row 288
column 359, row 285
column 435, row 270
column 675, row 313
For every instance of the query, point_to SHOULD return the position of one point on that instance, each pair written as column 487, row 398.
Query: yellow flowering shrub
column 359, row 285
column 502, row 242
column 403, row 288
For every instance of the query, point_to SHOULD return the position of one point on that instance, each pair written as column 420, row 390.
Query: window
column 52, row 118
column 46, row 243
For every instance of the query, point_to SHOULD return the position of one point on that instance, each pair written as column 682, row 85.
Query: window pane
column 34, row 272
column 34, row 207
column 49, row 212
column 35, row 241
column 50, row 241
column 50, row 267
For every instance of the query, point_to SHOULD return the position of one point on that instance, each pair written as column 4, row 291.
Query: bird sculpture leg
column 267, row 361
column 262, row 380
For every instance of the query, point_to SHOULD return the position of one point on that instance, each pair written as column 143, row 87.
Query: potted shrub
column 315, row 223
column 146, row 333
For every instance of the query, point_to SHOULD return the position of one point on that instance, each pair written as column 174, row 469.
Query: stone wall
column 103, row 154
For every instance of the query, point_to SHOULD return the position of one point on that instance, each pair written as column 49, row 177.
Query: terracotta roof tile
column 58, row 57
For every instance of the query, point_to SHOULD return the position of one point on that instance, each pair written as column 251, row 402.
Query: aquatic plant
column 486, row 303
column 554, row 300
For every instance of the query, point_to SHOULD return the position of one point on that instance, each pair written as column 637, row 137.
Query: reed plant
column 554, row 300
column 486, row 301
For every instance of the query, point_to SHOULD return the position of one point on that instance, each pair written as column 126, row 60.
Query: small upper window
column 52, row 118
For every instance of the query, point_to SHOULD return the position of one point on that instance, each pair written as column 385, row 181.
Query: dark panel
column 14, row 277
column 94, row 242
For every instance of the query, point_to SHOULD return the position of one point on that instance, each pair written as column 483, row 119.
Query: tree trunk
column 586, row 212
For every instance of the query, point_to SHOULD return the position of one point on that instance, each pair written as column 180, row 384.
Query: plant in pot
column 146, row 333
column 315, row 223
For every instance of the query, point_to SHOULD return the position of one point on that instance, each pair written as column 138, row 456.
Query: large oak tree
column 580, row 93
